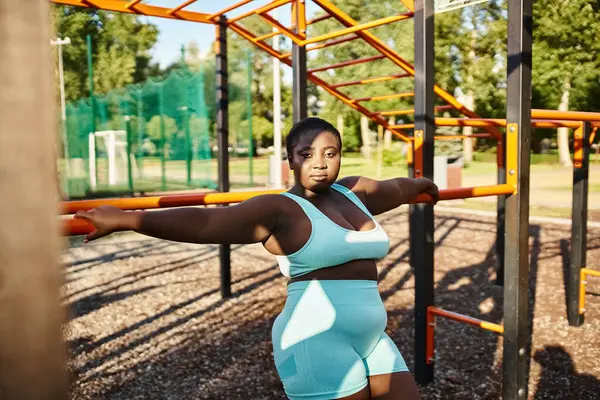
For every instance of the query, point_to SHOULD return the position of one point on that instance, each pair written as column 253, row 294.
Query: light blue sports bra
column 329, row 244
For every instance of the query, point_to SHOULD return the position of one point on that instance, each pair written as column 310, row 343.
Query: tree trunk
column 387, row 137
column 365, row 136
column 340, row 125
column 468, row 131
column 32, row 357
column 564, row 154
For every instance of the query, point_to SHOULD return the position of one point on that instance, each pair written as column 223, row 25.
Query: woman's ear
column 289, row 157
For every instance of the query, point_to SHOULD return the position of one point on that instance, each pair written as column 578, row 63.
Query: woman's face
column 316, row 160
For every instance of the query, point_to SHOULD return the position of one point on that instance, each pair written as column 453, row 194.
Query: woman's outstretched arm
column 251, row 221
column 382, row 196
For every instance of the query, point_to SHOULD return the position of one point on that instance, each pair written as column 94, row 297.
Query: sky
column 174, row 33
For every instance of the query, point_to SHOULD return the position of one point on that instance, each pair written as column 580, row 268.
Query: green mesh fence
column 152, row 137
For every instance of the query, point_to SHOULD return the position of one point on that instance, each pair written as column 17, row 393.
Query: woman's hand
column 431, row 189
column 106, row 219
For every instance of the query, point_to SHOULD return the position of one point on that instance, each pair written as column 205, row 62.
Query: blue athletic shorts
column 330, row 337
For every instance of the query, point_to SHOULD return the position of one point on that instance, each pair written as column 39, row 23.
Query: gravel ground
column 147, row 320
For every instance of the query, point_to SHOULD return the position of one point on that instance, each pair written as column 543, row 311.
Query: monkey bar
column 352, row 30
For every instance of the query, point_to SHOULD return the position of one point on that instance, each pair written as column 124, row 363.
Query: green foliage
column 154, row 128
column 121, row 46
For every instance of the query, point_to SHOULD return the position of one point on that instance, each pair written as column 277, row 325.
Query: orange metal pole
column 488, row 122
column 593, row 135
column 78, row 227
column 370, row 80
column 180, row 7
column 267, row 36
column 490, row 326
column 386, row 97
column 137, row 8
column 418, row 154
column 566, row 115
column 316, row 80
column 368, row 37
column 271, row 6
column 346, row 63
column 466, row 193
column 361, row 27
column 412, row 110
column 216, row 15
column 146, row 203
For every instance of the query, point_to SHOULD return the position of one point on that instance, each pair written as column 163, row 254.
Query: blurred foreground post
column 31, row 348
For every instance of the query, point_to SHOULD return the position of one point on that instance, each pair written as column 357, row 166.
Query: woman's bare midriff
column 352, row 270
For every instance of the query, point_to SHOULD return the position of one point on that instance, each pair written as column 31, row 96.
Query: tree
column 566, row 59
column 120, row 49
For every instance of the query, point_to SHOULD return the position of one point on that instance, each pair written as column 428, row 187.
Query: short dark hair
column 309, row 125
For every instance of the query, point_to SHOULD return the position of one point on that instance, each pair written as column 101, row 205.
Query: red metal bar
column 346, row 63
column 360, row 27
column 430, row 348
column 315, row 79
column 377, row 44
column 370, row 80
column 327, row 44
column 319, row 19
column 490, row 326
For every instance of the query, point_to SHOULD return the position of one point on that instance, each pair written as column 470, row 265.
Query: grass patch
column 592, row 188
column 553, row 212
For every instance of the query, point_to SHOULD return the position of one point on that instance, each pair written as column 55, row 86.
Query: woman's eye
column 330, row 155
column 305, row 155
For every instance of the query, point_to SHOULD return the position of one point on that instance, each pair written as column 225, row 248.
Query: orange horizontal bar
column 360, row 27
column 591, row 272
column 370, row 80
column 468, row 192
column 180, row 7
column 386, row 97
column 243, row 32
column 490, row 326
column 453, row 137
column 566, row 115
column 230, row 8
column 267, row 36
column 151, row 202
column 489, row 122
column 140, row 8
column 346, row 63
column 80, row 227
column 327, row 44
column 412, row 110
column 318, row 19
